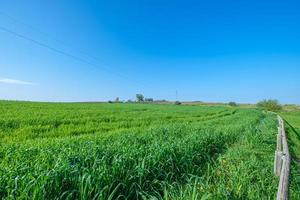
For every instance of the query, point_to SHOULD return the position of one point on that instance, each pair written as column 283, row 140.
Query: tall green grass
column 135, row 151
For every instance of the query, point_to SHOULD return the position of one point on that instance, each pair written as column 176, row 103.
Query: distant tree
column 270, row 104
column 129, row 101
column 139, row 97
column 177, row 103
column 110, row 101
column 149, row 99
column 161, row 100
column 232, row 104
column 117, row 100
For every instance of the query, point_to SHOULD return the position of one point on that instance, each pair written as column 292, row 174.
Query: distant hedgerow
column 270, row 104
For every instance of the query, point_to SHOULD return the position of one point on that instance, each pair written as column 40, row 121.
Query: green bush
column 232, row 103
column 139, row 97
column 177, row 103
column 270, row 104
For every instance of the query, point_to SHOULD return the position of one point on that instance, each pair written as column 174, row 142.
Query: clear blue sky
column 207, row 50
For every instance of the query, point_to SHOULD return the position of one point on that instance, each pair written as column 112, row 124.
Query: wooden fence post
column 277, row 163
column 282, row 162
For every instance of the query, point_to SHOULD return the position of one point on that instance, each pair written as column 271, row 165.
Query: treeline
column 266, row 104
column 139, row 98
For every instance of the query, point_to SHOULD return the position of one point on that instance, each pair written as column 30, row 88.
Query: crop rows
column 135, row 151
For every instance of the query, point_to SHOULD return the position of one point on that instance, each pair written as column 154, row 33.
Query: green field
column 136, row 151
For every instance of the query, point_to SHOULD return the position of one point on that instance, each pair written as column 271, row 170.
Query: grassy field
column 136, row 151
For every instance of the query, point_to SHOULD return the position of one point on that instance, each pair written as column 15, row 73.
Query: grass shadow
column 293, row 129
column 294, row 141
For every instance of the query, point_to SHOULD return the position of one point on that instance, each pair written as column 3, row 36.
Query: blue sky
column 207, row 50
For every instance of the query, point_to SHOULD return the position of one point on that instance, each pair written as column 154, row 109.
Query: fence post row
column 282, row 162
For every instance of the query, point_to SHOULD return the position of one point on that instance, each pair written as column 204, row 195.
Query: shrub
column 270, row 104
column 149, row 99
column 139, row 97
column 177, row 103
column 232, row 103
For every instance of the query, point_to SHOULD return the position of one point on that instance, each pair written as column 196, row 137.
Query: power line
column 13, row 19
column 62, row 52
